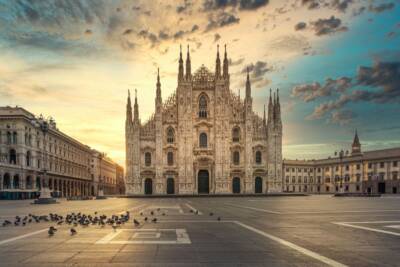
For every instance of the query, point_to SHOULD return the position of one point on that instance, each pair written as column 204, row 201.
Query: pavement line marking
column 302, row 250
column 2, row 242
column 191, row 207
column 339, row 211
column 373, row 222
column 367, row 228
column 393, row 226
column 257, row 209
column 132, row 209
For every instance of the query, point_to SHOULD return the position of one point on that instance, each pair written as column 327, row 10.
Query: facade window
column 299, row 180
column 9, row 138
column 236, row 157
column 319, row 170
column 258, row 157
column 347, row 167
column 369, row 165
column 203, row 107
column 293, row 179
column 287, row 169
column 170, row 135
column 394, row 175
column 305, row 179
column 287, row 179
column 358, row 177
column 203, row 140
column 12, row 156
column 147, row 158
column 357, row 188
column 394, row 163
column 14, row 137
column 337, row 168
column 170, row 158
column 28, row 158
column 327, row 180
column 382, row 164
column 358, row 166
column 236, row 134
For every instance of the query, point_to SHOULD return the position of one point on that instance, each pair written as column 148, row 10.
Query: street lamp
column 45, row 193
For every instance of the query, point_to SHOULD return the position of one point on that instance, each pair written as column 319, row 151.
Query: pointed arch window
column 203, row 107
column 28, row 158
column 170, row 135
column 170, row 158
column 147, row 158
column 236, row 134
column 203, row 140
column 236, row 157
column 12, row 156
column 258, row 157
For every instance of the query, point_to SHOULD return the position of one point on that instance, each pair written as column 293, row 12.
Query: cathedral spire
column 277, row 108
column 270, row 107
column 226, row 65
column 158, row 91
column 136, row 109
column 180, row 71
column 356, row 146
column 188, row 65
column 218, row 65
column 248, row 86
column 129, row 109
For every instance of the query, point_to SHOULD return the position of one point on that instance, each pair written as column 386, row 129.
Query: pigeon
column 211, row 214
column 197, row 212
column 141, row 214
column 145, row 218
column 154, row 220
column 191, row 211
column 151, row 212
column 136, row 222
column 73, row 231
column 51, row 231
column 219, row 218
column 163, row 214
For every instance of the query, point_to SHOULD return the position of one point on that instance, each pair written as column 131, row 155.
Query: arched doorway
column 16, row 182
column 148, row 186
column 170, row 186
column 203, row 182
column 6, row 181
column 258, row 185
column 236, row 185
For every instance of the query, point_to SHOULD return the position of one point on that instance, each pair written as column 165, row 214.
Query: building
column 104, row 173
column 34, row 153
column 120, row 180
column 356, row 172
column 204, row 139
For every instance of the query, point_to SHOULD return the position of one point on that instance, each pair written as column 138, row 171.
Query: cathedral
column 204, row 139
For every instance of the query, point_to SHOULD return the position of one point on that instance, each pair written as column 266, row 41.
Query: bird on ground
column 73, row 231
column 136, row 222
column 151, row 212
column 51, row 231
column 145, row 219
column 163, row 214
column 141, row 214
column 191, row 211
column 211, row 214
column 219, row 218
column 154, row 220
column 197, row 212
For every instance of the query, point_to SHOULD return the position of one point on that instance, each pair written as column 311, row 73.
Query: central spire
column 129, row 108
column 136, row 109
column 218, row 65
column 248, row 86
column 180, row 71
column 225, row 66
column 188, row 65
column 158, row 91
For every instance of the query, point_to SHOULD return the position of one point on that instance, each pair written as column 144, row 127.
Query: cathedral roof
column 203, row 75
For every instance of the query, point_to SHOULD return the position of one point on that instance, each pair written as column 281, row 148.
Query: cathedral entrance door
column 258, row 185
column 170, row 186
column 203, row 182
column 236, row 185
column 148, row 186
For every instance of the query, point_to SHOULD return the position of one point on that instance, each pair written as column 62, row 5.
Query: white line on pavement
column 191, row 207
column 302, row 250
column 367, row 228
column 2, row 242
column 257, row 209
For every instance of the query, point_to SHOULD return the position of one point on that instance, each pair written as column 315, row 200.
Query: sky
column 335, row 62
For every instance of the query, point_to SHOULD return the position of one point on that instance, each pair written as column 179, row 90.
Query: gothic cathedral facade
column 204, row 139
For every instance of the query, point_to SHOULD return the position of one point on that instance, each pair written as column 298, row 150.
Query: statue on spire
column 217, row 65
column 180, row 70
column 225, row 66
column 188, row 65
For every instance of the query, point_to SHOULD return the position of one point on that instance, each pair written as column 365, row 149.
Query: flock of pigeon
column 80, row 219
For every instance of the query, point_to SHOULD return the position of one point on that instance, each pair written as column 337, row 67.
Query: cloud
column 341, row 5
column 342, row 117
column 380, row 84
column 209, row 5
column 300, row 26
column 257, row 73
column 311, row 4
column 236, row 63
column 127, row 31
column 328, row 26
column 88, row 32
column 381, row 8
column 184, row 7
column 217, row 36
column 310, row 92
column 221, row 19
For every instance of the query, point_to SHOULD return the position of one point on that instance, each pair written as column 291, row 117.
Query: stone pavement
column 279, row 231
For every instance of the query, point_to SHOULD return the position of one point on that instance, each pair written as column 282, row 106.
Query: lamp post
column 45, row 193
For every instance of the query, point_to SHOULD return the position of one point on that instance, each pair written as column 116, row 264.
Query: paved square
column 245, row 231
